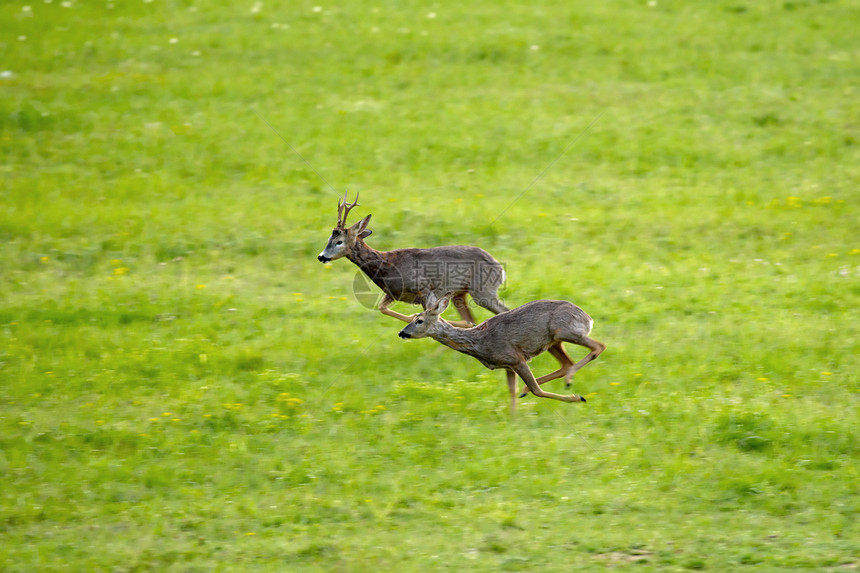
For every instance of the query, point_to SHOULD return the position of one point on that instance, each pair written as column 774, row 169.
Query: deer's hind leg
column 489, row 300
column 595, row 346
column 459, row 301
column 489, row 278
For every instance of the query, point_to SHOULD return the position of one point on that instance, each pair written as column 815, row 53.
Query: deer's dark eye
column 419, row 321
column 339, row 243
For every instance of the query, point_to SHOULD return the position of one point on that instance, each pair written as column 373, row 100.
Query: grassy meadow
column 184, row 387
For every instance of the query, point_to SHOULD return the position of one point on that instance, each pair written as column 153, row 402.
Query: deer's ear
column 365, row 234
column 362, row 225
column 443, row 304
column 436, row 305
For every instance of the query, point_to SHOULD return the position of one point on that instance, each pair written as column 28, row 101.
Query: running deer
column 410, row 275
column 510, row 339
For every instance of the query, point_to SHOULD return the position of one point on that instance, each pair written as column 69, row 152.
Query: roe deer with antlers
column 510, row 339
column 410, row 275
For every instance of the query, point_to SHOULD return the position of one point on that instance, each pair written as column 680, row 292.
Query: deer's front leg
column 545, row 378
column 565, row 362
column 512, row 388
column 387, row 301
column 524, row 372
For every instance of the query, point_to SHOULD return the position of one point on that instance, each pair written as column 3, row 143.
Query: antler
column 343, row 209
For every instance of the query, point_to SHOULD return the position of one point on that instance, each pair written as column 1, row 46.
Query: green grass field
column 183, row 387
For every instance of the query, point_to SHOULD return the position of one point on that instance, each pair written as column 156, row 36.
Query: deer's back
column 530, row 329
column 452, row 268
column 449, row 253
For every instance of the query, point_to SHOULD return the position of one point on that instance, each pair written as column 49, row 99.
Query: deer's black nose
column 323, row 259
column 403, row 335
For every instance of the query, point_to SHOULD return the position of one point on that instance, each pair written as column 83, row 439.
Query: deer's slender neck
column 367, row 258
column 459, row 339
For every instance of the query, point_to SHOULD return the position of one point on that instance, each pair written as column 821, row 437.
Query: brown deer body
column 410, row 275
column 510, row 339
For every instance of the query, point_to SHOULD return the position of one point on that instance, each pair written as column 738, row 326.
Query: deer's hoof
column 582, row 399
column 524, row 394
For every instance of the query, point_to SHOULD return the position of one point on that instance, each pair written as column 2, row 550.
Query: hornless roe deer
column 510, row 339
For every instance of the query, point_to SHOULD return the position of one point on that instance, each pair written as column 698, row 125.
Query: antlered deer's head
column 343, row 238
